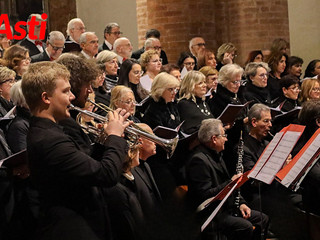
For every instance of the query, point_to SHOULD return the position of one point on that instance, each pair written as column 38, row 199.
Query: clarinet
column 239, row 169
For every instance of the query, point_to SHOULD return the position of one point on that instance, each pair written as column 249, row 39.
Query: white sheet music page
column 278, row 157
column 271, row 146
column 300, row 164
column 146, row 82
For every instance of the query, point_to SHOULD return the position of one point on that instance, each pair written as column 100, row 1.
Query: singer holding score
column 207, row 175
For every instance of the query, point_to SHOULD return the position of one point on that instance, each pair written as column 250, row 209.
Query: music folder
column 276, row 153
column 231, row 111
column 167, row 133
column 293, row 174
column 223, row 193
column 15, row 159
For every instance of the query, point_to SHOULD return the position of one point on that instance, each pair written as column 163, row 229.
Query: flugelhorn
column 169, row 145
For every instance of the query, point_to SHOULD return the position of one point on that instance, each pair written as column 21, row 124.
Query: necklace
column 204, row 110
column 129, row 176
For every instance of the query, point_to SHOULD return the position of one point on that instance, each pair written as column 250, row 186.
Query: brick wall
column 249, row 24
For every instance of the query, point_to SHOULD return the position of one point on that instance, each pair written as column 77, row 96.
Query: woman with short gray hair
column 229, row 81
column 110, row 61
column 256, row 88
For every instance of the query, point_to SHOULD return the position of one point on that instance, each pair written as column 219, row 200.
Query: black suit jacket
column 147, row 190
column 70, row 46
column 68, row 181
column 103, row 47
column 33, row 50
column 207, row 175
column 40, row 57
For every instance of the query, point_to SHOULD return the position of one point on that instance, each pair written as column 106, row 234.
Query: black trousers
column 240, row 228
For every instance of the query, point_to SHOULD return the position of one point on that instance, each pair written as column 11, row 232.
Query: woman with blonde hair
column 162, row 109
column 211, row 79
column 151, row 64
column 226, row 54
column 123, row 97
column 7, row 80
column 191, row 105
column 310, row 89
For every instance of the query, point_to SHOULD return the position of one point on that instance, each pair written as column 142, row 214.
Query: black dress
column 192, row 113
column 274, row 87
column 256, row 94
column 162, row 114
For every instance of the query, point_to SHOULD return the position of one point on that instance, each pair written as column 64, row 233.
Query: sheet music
column 271, row 146
column 214, row 213
column 300, row 164
column 146, row 82
column 278, row 157
column 184, row 71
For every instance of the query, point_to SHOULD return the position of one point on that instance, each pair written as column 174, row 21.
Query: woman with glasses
column 191, row 104
column 211, row 80
column 277, row 62
column 229, row 82
column 110, row 61
column 310, row 89
column 162, row 109
column 226, row 54
column 151, row 64
column 7, row 80
column 122, row 97
column 129, row 76
column 186, row 60
column 16, row 58
column 257, row 79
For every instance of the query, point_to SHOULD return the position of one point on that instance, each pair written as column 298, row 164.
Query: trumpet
column 133, row 131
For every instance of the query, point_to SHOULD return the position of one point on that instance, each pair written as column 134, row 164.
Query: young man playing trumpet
column 68, row 179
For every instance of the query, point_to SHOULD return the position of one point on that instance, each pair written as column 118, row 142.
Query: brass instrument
column 169, row 145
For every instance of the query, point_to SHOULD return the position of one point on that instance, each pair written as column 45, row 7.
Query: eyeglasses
column 116, row 33
column 200, row 44
column 264, row 75
column 157, row 48
column 315, row 89
column 80, row 28
column 129, row 102
column 222, row 135
column 157, row 60
column 26, row 59
column 172, row 90
column 11, row 80
column 236, row 82
column 56, row 48
column 295, row 88
column 138, row 73
column 93, row 42
column 112, row 62
column 234, row 55
column 189, row 63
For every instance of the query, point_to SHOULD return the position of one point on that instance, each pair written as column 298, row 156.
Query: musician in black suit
column 74, row 29
column 207, row 175
column 147, row 190
column 72, row 206
column 155, row 34
column 111, row 33
column 34, row 46
column 55, row 45
column 82, row 73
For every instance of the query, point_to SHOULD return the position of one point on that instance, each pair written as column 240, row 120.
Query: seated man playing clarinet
column 207, row 175
column 68, row 180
